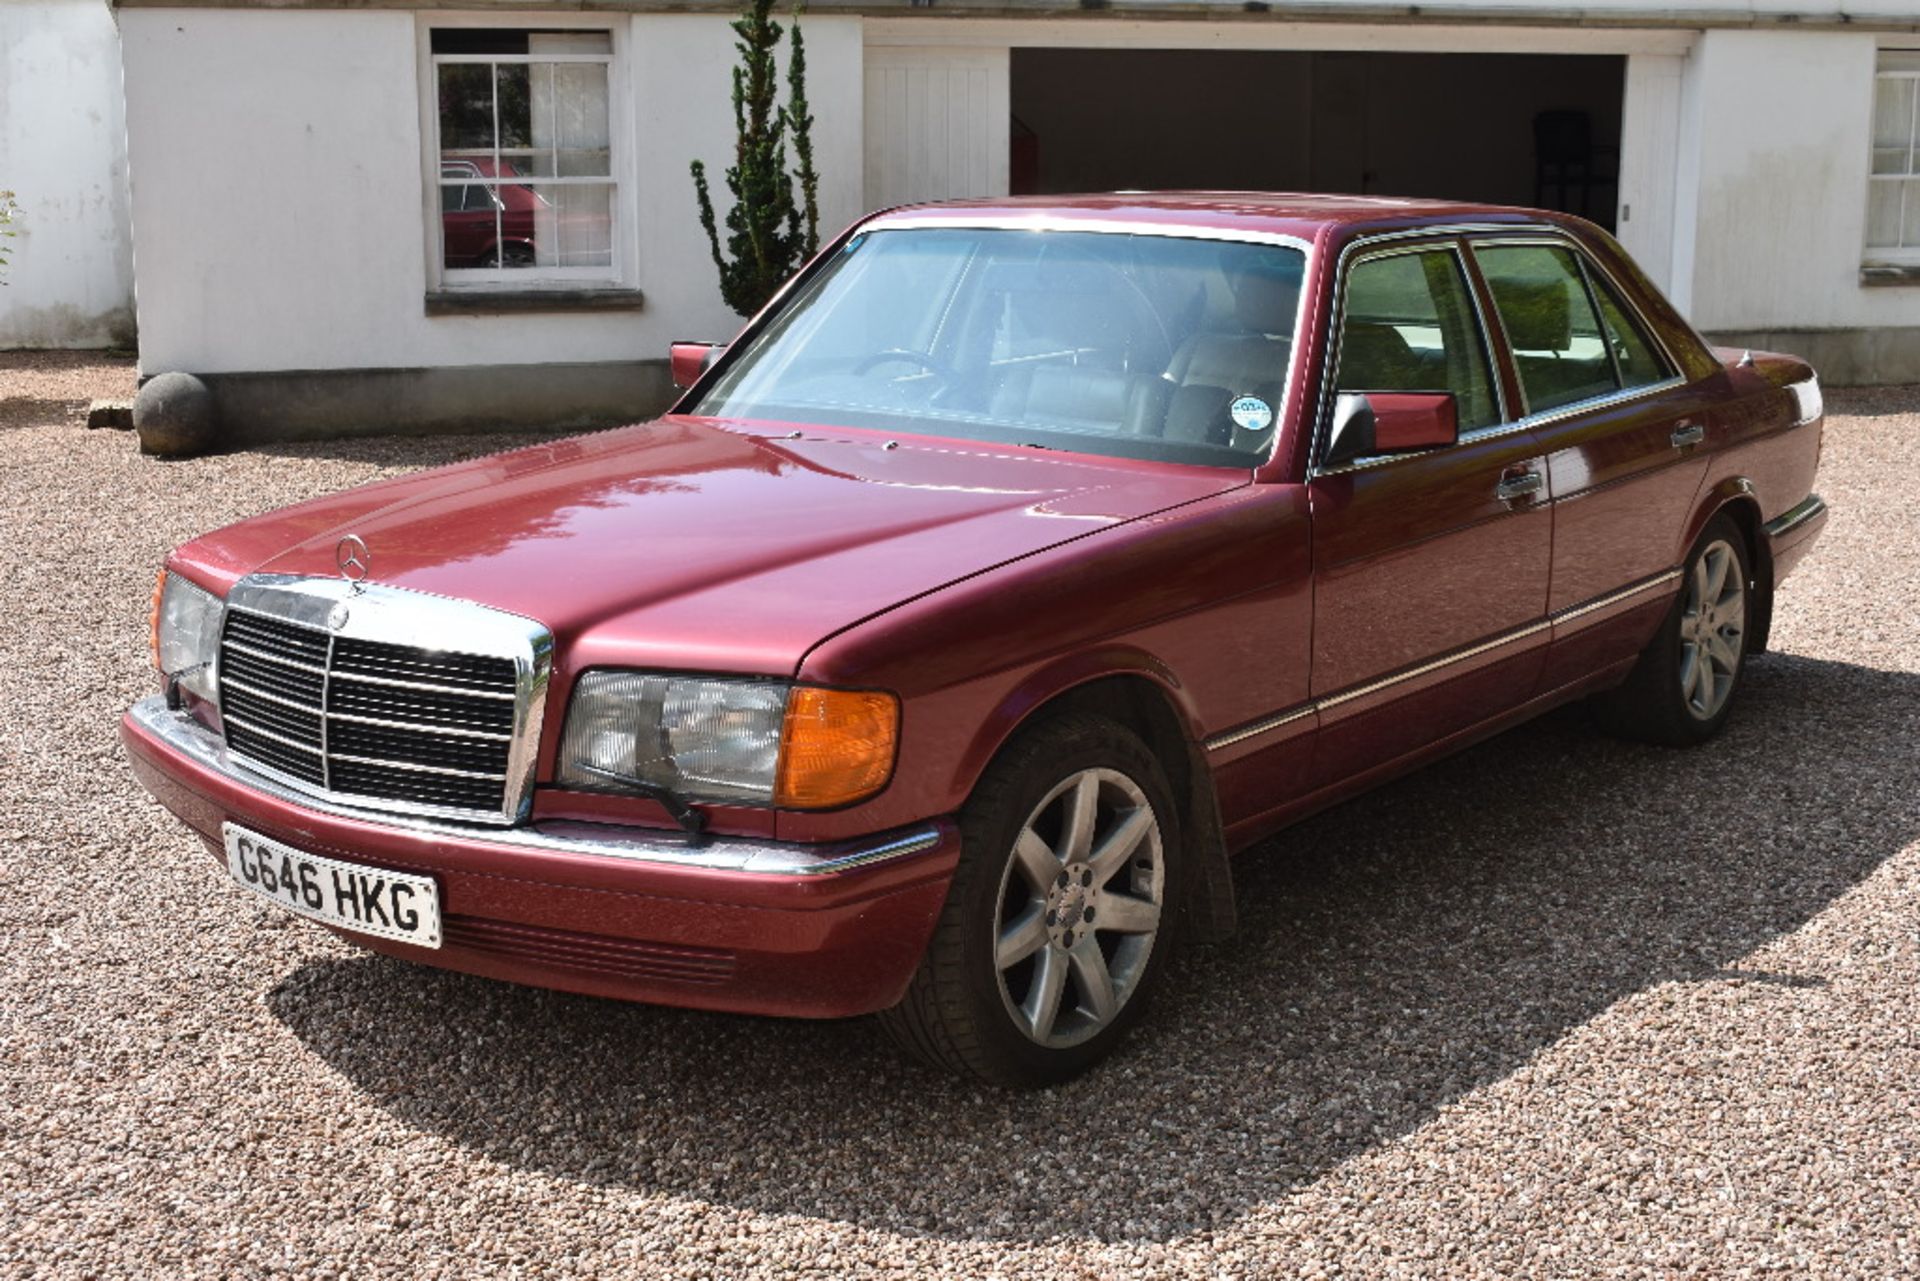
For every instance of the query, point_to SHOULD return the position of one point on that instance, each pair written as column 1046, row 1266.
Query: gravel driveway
column 1558, row 1006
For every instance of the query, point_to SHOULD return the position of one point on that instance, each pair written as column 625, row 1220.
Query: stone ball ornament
column 173, row 416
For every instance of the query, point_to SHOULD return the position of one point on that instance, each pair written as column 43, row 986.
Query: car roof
column 1303, row 215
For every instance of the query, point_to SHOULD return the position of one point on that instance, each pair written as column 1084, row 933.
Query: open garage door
column 1517, row 129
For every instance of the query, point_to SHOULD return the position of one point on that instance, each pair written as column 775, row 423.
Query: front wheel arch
column 958, row 1012
column 1148, row 706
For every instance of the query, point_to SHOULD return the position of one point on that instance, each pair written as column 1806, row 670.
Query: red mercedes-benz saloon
column 1022, row 562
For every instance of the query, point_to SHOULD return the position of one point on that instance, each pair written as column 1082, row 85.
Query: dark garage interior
column 1518, row 129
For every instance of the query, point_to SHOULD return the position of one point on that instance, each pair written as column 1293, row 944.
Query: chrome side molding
column 1311, row 707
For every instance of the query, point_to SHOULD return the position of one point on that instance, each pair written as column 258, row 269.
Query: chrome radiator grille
column 349, row 711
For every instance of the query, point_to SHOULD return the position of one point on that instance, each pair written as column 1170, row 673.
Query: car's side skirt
column 1249, row 830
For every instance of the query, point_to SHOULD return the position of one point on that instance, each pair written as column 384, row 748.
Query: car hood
column 719, row 545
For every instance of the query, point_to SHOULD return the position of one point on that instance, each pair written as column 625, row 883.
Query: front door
column 1430, row 569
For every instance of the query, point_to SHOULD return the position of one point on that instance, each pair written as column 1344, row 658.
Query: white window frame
column 1894, row 64
column 621, row 273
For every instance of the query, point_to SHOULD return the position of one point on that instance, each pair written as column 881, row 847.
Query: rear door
column 1622, row 431
column 1430, row 569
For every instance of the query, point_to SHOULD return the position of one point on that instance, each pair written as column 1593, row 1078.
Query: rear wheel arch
column 1736, row 498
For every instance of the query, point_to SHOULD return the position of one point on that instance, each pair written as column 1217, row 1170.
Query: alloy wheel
column 1712, row 630
column 1079, row 907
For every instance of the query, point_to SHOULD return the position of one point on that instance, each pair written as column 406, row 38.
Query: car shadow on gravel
column 1395, row 954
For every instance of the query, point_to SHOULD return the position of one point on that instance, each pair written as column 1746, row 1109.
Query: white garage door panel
column 936, row 124
column 1649, row 155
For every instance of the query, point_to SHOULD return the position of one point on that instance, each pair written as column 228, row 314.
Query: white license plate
column 370, row 900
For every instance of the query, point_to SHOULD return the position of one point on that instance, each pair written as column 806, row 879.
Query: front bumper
column 759, row 927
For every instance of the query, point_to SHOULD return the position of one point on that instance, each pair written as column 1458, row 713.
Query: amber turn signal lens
column 153, row 618
column 836, row 746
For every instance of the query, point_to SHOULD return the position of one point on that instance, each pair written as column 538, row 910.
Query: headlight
column 732, row 741
column 1809, row 404
column 186, row 633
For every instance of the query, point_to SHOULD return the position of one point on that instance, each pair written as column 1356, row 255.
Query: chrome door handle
column 1688, row 434
column 1512, row 487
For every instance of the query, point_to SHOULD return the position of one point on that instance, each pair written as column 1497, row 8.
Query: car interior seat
column 1068, row 361
column 1374, row 356
column 1538, row 316
column 1211, row 369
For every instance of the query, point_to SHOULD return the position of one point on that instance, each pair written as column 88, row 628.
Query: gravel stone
column 1560, row 1006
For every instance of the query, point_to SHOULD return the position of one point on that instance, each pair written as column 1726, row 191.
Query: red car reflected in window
column 486, row 223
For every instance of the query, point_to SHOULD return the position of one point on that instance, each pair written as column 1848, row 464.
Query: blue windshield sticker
column 1250, row 413
column 854, row 243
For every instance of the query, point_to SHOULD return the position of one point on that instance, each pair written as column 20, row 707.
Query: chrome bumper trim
column 182, row 734
column 1795, row 516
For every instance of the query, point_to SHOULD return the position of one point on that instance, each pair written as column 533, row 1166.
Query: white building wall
column 279, row 197
column 63, row 154
column 1776, row 167
column 280, row 204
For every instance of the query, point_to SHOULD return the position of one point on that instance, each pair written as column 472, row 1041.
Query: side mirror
column 686, row 361
column 1367, row 424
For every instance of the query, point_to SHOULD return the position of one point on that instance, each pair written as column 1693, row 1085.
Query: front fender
column 1058, row 679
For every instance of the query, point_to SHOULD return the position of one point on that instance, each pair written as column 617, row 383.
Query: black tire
column 959, row 1013
column 1655, row 704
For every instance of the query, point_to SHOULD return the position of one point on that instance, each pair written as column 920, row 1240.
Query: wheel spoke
column 1022, row 938
column 1126, row 914
column 1725, row 656
column 1042, row 1006
column 1096, row 984
column 1698, row 597
column 1076, row 835
column 1690, row 664
column 1037, row 860
column 1120, row 844
column 1715, row 562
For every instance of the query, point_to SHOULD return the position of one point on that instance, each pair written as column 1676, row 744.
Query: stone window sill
column 1874, row 275
column 489, row 302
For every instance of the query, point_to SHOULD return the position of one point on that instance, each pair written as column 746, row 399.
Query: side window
column 1557, row 345
column 1633, row 352
column 1409, row 325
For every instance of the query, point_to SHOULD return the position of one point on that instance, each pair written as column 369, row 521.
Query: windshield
column 1141, row 346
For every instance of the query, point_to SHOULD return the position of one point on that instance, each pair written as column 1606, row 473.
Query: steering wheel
column 932, row 364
